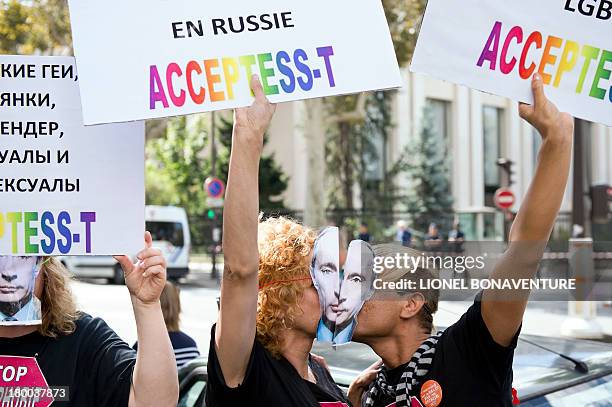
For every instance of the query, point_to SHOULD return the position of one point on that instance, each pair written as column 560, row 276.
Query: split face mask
column 18, row 305
column 343, row 289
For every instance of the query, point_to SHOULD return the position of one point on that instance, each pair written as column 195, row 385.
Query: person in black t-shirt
column 81, row 353
column 269, row 309
column 470, row 363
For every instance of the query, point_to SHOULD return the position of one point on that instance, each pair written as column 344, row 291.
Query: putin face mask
column 18, row 305
column 342, row 289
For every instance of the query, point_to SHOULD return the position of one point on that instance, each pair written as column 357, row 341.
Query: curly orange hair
column 285, row 249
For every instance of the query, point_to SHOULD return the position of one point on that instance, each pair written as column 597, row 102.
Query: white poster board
column 65, row 189
column 143, row 59
column 496, row 46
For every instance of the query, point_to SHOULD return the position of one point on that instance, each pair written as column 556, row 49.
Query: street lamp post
column 578, row 207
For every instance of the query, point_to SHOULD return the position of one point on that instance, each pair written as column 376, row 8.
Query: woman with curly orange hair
column 269, row 309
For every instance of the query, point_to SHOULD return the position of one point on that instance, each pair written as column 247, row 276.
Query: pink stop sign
column 22, row 383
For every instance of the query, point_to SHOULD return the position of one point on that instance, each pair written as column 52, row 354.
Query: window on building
column 492, row 124
column 440, row 111
column 373, row 150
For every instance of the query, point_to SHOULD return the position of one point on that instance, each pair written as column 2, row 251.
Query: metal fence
column 381, row 227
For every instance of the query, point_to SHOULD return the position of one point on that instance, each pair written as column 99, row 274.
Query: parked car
column 169, row 228
column 542, row 377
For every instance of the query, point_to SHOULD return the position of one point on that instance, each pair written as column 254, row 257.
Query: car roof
column 536, row 371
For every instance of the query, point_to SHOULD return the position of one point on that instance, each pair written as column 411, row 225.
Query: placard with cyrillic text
column 65, row 189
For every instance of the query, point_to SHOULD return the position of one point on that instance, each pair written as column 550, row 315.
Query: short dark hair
column 431, row 296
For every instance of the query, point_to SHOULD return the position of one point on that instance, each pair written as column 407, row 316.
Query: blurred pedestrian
column 456, row 237
column 364, row 233
column 185, row 348
column 403, row 234
column 433, row 239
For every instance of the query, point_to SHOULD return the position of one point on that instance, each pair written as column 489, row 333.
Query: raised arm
column 502, row 311
column 155, row 380
column 235, row 332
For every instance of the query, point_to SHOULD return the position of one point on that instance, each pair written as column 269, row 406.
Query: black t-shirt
column 93, row 362
column 271, row 382
column 469, row 366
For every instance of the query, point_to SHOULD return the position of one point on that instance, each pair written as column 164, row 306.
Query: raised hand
column 544, row 115
column 146, row 278
column 250, row 123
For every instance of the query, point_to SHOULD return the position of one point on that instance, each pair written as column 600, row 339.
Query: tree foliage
column 14, row 21
column 179, row 162
column 404, row 18
column 272, row 181
column 177, row 168
column 37, row 26
column 354, row 132
column 429, row 197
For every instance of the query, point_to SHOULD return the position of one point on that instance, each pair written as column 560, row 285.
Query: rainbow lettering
column 216, row 80
column 572, row 56
column 45, row 233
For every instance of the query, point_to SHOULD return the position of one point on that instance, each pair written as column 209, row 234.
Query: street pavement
column 112, row 303
column 198, row 300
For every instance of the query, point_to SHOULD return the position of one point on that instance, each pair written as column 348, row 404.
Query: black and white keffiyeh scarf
column 415, row 370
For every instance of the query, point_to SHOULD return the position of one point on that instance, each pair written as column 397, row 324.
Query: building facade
column 478, row 128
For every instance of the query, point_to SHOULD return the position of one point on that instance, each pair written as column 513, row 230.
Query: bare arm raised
column 154, row 381
column 235, row 332
column 534, row 222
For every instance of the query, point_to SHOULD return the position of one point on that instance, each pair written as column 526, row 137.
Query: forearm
column 235, row 331
column 354, row 395
column 242, row 207
column 531, row 230
column 503, row 310
column 155, row 379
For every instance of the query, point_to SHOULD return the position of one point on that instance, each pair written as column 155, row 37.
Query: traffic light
column 210, row 214
column 506, row 165
column 601, row 199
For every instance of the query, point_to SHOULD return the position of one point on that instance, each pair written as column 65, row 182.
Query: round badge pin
column 431, row 393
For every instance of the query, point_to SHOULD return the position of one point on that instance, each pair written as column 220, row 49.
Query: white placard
column 497, row 45
column 65, row 189
column 143, row 59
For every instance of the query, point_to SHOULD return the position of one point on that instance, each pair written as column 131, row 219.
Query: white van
column 170, row 230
